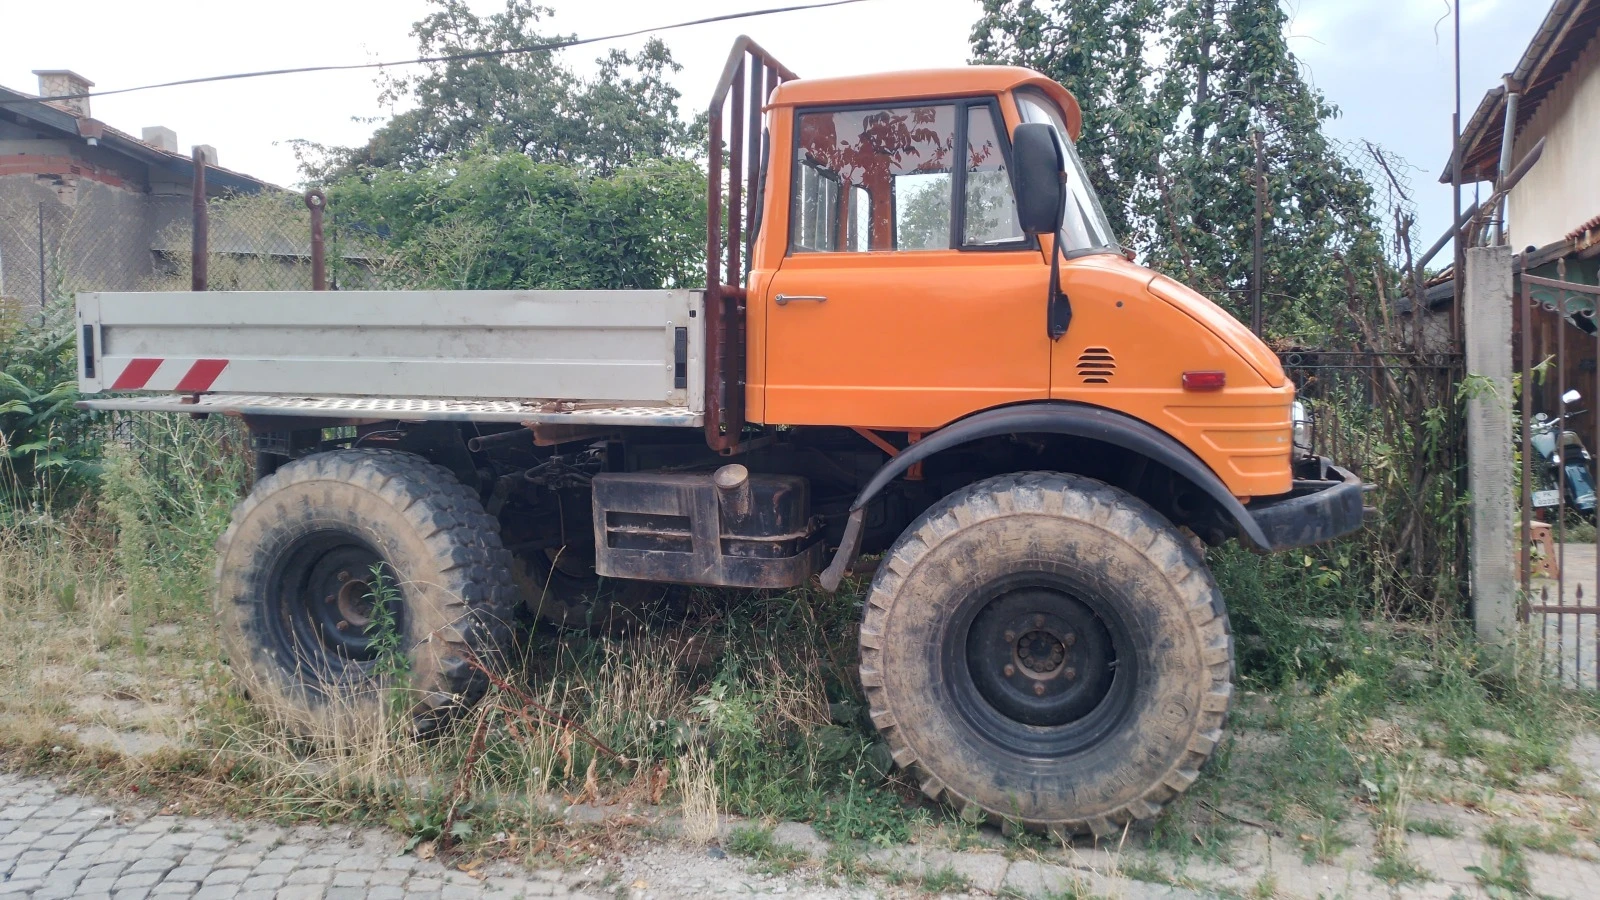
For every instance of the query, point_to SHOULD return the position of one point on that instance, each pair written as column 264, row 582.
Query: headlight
column 1302, row 428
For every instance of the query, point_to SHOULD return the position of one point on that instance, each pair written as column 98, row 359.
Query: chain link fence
column 98, row 239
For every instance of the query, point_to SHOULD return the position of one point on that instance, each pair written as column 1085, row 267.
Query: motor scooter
column 1561, row 463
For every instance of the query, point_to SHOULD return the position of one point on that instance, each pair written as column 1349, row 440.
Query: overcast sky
column 1385, row 63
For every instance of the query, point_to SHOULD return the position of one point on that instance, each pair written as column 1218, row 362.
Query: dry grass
column 697, row 784
column 119, row 674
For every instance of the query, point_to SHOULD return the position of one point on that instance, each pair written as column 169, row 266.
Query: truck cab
column 892, row 286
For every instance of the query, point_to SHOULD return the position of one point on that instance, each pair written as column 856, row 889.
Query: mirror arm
column 1059, row 310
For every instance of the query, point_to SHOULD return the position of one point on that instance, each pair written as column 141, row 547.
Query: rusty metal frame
column 1565, row 290
column 748, row 79
column 877, row 441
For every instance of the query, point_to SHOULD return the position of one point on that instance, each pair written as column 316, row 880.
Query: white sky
column 1378, row 60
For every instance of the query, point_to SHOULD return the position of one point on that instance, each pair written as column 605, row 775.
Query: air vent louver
column 1096, row 365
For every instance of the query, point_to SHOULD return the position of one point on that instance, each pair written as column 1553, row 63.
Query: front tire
column 358, row 580
column 1046, row 650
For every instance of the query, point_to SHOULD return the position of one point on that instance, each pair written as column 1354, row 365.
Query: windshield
column 1084, row 228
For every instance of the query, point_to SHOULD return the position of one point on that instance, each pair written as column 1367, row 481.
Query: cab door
column 909, row 295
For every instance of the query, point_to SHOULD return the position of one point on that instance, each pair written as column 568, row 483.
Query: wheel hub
column 328, row 604
column 1040, row 656
column 1040, row 653
column 354, row 601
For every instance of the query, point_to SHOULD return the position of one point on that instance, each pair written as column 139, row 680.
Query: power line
column 456, row 57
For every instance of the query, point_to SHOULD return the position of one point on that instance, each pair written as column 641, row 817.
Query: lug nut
column 1038, row 621
column 1038, row 688
column 344, row 625
column 1011, row 637
column 331, row 598
column 344, row 576
column 1070, row 673
column 1010, row 670
column 1069, row 639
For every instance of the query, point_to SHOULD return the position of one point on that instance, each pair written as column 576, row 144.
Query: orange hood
column 1216, row 319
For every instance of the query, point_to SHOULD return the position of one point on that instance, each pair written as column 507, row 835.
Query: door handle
column 786, row 299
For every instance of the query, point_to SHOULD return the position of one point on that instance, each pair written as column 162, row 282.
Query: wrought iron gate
column 1559, row 558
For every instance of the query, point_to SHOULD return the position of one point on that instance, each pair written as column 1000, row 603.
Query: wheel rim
column 323, row 605
column 1040, row 665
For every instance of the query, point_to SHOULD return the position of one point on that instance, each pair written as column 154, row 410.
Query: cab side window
column 874, row 179
column 991, row 208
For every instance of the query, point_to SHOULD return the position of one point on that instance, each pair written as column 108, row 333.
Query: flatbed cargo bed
column 538, row 357
column 402, row 409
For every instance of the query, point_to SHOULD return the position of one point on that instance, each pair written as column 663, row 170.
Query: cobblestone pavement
column 55, row 845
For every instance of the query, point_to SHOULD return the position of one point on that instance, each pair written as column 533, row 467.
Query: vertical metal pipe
column 1527, row 439
column 315, row 201
column 757, row 99
column 43, row 291
column 1257, row 259
column 1459, row 263
column 1561, row 474
column 736, row 151
column 1507, row 148
column 1455, row 182
column 716, row 378
column 201, row 228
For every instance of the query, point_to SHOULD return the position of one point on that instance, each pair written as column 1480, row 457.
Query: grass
column 755, row 842
column 1503, row 873
column 767, row 730
column 1343, row 723
column 945, row 880
column 1399, row 868
column 1432, row 828
column 1555, row 838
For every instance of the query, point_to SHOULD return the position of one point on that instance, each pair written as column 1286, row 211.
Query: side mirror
column 1571, row 397
column 1041, row 178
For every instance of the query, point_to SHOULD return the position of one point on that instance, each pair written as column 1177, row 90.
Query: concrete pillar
column 1486, row 320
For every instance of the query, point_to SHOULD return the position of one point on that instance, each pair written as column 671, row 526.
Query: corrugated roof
column 1567, row 29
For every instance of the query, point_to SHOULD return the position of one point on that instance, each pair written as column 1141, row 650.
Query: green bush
column 49, row 449
column 502, row 221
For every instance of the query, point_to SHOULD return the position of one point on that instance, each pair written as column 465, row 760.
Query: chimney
column 161, row 137
column 208, row 153
column 64, row 83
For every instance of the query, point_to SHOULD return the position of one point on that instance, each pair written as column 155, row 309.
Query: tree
column 1230, row 76
column 527, row 103
column 1168, row 145
column 1098, row 50
column 491, row 221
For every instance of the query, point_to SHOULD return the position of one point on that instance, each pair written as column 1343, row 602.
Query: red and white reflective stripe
column 190, row 376
column 136, row 374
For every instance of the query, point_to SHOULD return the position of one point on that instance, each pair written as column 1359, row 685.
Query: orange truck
column 919, row 340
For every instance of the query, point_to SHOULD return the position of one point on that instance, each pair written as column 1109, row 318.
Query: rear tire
column 1046, row 650
column 304, row 622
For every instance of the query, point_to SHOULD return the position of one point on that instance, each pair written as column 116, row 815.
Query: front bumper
column 1323, row 505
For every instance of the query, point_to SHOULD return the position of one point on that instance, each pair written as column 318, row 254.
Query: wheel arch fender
column 1071, row 419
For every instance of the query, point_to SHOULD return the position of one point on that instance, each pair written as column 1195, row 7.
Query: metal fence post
column 315, row 201
column 201, row 228
column 1486, row 320
column 44, row 300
